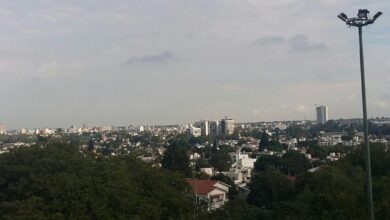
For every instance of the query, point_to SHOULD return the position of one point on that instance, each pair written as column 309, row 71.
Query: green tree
column 91, row 145
column 267, row 161
column 334, row 193
column 219, row 157
column 201, row 163
column 176, row 159
column 380, row 158
column 238, row 210
column 241, row 141
column 268, row 188
column 317, row 151
column 294, row 162
column 214, row 160
column 59, row 182
column 275, row 147
column 296, row 131
column 264, row 141
column 381, row 194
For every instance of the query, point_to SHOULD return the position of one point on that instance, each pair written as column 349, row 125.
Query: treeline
column 60, row 182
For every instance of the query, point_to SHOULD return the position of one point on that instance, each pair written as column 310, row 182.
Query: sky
column 151, row 62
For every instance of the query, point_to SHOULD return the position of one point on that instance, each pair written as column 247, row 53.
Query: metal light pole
column 361, row 20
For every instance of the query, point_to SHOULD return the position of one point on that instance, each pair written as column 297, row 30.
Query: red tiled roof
column 203, row 187
column 291, row 178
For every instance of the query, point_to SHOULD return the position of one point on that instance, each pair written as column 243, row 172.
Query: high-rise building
column 227, row 126
column 2, row 128
column 205, row 127
column 215, row 128
column 322, row 114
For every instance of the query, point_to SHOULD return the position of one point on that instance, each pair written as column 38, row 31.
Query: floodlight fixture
column 361, row 20
column 343, row 17
column 379, row 13
column 363, row 14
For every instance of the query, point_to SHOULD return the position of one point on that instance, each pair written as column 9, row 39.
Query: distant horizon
column 184, row 123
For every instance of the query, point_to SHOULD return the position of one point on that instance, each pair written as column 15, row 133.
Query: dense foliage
column 216, row 156
column 60, row 182
column 264, row 141
column 291, row 163
column 336, row 191
column 176, row 159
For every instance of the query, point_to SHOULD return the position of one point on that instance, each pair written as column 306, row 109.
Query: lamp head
column 363, row 14
column 379, row 13
column 343, row 17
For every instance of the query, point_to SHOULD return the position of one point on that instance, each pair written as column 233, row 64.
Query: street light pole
column 360, row 21
column 365, row 126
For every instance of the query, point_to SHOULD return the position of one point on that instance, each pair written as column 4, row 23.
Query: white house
column 212, row 191
column 207, row 170
column 241, row 170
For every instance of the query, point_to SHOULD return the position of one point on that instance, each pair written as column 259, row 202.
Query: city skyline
column 171, row 62
column 195, row 123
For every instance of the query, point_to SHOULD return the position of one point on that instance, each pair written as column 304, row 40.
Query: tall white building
column 2, row 128
column 205, row 128
column 322, row 114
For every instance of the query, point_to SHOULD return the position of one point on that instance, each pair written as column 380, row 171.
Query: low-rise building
column 195, row 131
column 242, row 166
column 214, row 192
column 208, row 170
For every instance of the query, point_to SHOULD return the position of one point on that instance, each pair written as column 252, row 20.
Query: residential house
column 241, row 170
column 212, row 191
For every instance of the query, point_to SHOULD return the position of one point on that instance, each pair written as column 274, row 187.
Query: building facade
column 214, row 192
column 215, row 128
column 195, row 131
column 322, row 114
column 2, row 128
column 227, row 126
column 241, row 170
column 205, row 128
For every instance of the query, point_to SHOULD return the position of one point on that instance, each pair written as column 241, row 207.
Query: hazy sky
column 115, row 62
